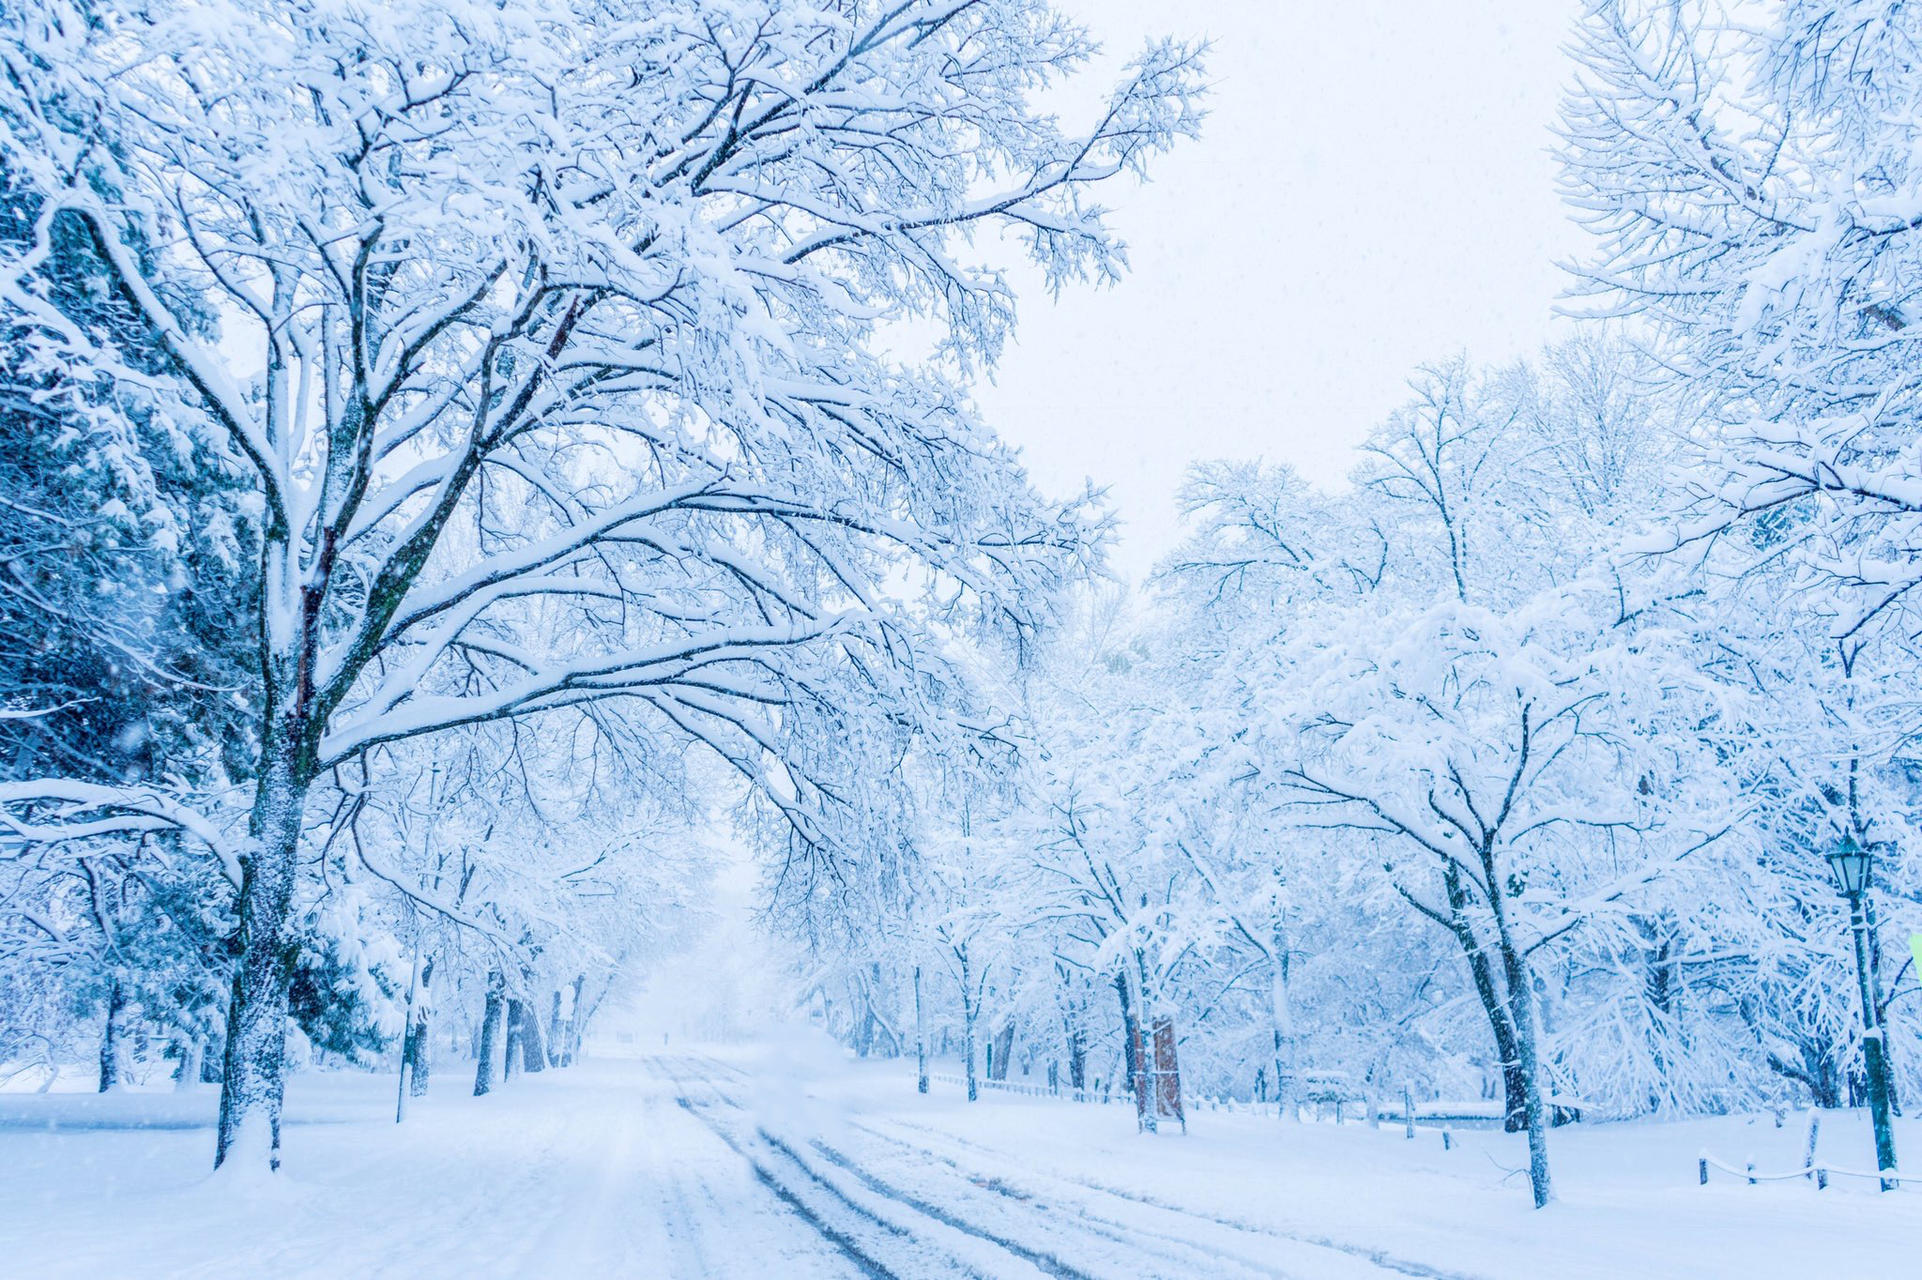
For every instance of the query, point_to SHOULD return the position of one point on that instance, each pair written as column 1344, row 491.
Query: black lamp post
column 1853, row 863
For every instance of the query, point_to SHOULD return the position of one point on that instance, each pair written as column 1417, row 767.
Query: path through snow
column 687, row 1165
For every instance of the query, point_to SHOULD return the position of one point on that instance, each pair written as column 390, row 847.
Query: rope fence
column 1812, row 1171
column 1199, row 1103
column 1819, row 1174
column 1024, row 1090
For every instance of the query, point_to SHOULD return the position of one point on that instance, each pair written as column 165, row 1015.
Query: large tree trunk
column 516, row 1018
column 110, row 1036
column 864, row 1027
column 252, row 1080
column 1000, row 1051
column 490, row 1032
column 1078, row 1061
column 967, row 1022
column 1135, row 1053
column 419, row 1057
column 1167, row 1072
column 1282, row 1022
column 576, row 1019
column 1494, row 1003
column 533, row 1049
column 555, row 1044
column 1521, row 1001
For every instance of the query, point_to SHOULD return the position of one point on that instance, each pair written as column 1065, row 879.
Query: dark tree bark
column 254, row 1069
column 554, row 1042
column 110, row 1037
column 1522, row 1024
column 490, row 1032
column 1494, row 1002
column 968, row 1013
column 1135, row 1053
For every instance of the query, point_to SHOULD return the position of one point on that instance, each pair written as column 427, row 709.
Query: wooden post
column 1701, row 1169
column 1408, row 1111
column 1815, row 1134
column 1448, row 1140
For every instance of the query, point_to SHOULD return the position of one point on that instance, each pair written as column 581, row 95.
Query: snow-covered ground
column 785, row 1162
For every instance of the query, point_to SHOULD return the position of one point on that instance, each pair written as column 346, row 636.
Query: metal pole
column 406, row 1047
column 407, row 1027
column 1873, row 1054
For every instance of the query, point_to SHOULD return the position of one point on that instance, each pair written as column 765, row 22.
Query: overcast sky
column 1373, row 189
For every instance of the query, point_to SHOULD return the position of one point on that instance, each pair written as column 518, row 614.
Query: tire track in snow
column 1043, row 1260
column 1048, row 1258
column 929, row 1236
column 715, row 1226
column 1091, row 1243
column 872, row 1240
column 1378, row 1258
column 846, row 1243
column 677, row 1218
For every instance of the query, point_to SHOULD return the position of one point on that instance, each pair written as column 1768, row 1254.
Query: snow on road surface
column 595, row 1171
column 780, row 1164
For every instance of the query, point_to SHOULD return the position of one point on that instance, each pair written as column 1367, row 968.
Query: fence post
column 1701, row 1169
column 1448, row 1140
column 1751, row 1173
column 1408, row 1110
column 1815, row 1133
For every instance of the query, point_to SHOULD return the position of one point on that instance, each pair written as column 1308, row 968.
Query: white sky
column 1373, row 189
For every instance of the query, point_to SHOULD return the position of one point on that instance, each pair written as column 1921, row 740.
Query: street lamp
column 1853, row 863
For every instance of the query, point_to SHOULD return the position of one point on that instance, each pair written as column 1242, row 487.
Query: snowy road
column 904, row 1201
column 787, row 1161
column 595, row 1171
column 677, row 1165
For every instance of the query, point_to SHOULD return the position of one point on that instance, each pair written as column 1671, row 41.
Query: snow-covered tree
column 546, row 334
column 1753, row 192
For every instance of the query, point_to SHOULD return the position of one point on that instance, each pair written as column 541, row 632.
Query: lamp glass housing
column 1850, row 861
